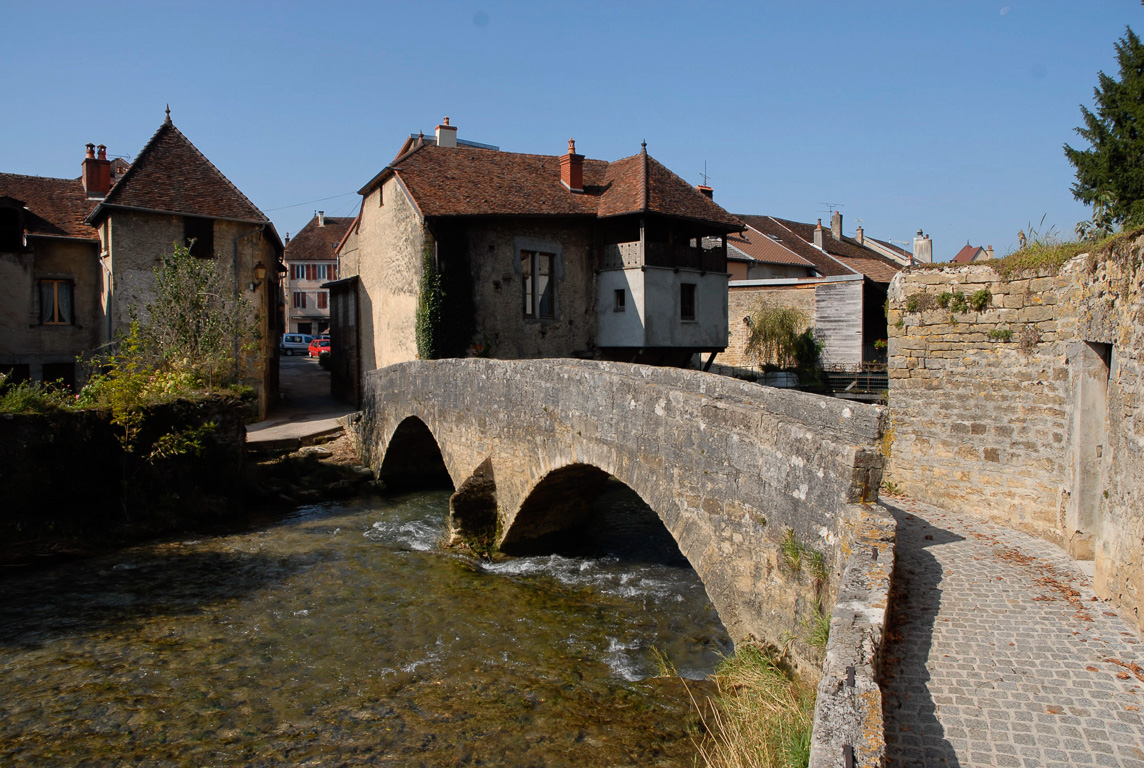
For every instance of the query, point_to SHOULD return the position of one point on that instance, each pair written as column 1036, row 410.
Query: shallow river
column 344, row 635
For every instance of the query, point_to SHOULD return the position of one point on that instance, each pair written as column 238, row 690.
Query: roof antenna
column 831, row 207
column 706, row 178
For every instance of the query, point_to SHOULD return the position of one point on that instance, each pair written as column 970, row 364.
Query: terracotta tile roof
column 879, row 268
column 825, row 265
column 768, row 249
column 55, row 207
column 967, row 254
column 465, row 181
column 171, row 174
column 314, row 243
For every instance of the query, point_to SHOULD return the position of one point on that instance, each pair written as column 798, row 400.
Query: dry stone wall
column 1025, row 412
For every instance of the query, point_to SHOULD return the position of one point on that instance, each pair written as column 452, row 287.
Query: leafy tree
column 1110, row 174
column 781, row 336
column 197, row 324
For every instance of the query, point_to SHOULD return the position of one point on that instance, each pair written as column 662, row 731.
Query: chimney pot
column 96, row 173
column 446, row 134
column 321, row 218
column 860, row 236
column 706, row 191
column 818, row 235
column 572, row 169
column 923, row 248
column 836, row 225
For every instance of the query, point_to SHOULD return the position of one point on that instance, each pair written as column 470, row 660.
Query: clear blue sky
column 945, row 116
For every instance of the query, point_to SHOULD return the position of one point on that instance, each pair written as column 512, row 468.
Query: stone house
column 534, row 256
column 311, row 260
column 49, row 277
column 77, row 257
column 838, row 282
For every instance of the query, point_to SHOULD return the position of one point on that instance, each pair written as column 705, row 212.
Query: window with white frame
column 299, row 299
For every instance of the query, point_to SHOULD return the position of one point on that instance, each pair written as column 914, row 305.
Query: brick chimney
column 446, row 134
column 572, row 169
column 989, row 252
column 818, row 235
column 96, row 174
column 706, row 190
column 860, row 236
column 836, row 226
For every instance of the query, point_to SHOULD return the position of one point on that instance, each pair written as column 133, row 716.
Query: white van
column 295, row 343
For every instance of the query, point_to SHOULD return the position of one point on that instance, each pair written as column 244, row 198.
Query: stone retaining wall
column 1025, row 412
column 848, row 708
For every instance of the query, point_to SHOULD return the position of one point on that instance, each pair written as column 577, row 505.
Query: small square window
column 621, row 300
column 687, row 301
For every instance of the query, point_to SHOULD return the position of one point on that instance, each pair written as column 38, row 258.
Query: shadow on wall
column 913, row 734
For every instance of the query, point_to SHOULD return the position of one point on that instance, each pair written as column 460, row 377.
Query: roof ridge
column 147, row 150
column 42, row 178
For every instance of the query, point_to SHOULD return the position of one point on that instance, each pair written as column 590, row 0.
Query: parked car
column 318, row 346
column 295, row 343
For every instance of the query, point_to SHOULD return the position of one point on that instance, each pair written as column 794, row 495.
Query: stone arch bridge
column 746, row 478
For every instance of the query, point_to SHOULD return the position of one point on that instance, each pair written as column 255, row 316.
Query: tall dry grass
column 759, row 718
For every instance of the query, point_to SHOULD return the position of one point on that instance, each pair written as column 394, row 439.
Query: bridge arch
column 731, row 468
column 412, row 458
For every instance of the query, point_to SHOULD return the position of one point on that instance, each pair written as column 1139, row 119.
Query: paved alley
column 998, row 653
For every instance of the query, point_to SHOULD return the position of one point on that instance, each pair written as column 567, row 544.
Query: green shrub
column 1000, row 334
column 980, row 299
column 919, row 302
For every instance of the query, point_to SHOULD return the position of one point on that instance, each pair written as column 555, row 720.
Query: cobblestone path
column 998, row 654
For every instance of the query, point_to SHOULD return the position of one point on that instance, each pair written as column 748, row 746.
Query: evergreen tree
column 1110, row 175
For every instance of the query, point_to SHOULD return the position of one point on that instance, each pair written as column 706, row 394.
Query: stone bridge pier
column 759, row 487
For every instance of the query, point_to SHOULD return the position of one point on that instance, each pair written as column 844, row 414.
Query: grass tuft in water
column 760, row 716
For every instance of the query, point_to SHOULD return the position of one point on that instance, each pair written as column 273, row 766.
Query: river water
column 344, row 635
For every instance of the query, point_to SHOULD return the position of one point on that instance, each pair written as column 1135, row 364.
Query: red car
column 318, row 346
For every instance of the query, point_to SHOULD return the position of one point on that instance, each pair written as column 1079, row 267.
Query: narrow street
column 999, row 654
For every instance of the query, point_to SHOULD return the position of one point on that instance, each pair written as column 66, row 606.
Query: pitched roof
column 967, row 254
column 172, row 175
column 54, row 207
column 879, row 268
column 824, row 263
column 314, row 243
column 767, row 248
column 466, row 181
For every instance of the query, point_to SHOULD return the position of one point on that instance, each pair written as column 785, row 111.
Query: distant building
column 970, row 253
column 838, row 282
column 310, row 261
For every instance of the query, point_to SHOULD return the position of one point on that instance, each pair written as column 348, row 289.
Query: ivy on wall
column 446, row 312
column 430, row 300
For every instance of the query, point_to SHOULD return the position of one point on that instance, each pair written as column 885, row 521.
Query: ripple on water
column 303, row 644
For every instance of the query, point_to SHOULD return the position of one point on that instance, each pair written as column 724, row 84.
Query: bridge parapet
column 733, row 469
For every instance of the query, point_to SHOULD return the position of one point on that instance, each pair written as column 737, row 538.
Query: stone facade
column 27, row 342
column 731, row 468
column 1025, row 412
column 133, row 244
column 742, row 300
